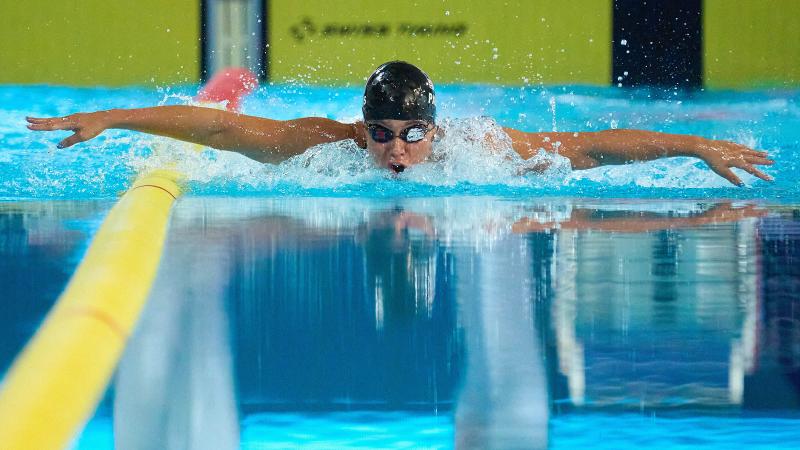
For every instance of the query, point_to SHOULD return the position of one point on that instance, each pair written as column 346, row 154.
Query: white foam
column 475, row 151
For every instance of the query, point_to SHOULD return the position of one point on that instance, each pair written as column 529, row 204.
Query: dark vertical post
column 774, row 382
column 203, row 41
column 658, row 43
column 264, row 16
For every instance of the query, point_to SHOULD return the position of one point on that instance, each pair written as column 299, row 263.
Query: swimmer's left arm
column 599, row 148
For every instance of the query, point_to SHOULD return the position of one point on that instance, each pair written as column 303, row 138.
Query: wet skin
column 273, row 141
column 396, row 155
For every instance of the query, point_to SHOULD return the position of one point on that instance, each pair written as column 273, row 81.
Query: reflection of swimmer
column 398, row 130
column 639, row 222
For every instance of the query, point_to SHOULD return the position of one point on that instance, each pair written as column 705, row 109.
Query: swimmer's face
column 396, row 154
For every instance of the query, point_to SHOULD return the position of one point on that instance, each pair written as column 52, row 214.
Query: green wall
column 99, row 42
column 748, row 43
column 511, row 42
column 751, row 43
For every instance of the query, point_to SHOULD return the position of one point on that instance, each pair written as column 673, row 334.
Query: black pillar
column 658, row 43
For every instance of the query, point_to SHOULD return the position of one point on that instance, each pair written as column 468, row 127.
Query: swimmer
column 398, row 129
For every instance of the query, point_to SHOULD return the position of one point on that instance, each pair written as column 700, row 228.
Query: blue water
column 321, row 303
column 33, row 168
column 360, row 323
column 601, row 431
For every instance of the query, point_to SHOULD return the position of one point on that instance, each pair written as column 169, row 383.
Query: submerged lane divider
column 55, row 384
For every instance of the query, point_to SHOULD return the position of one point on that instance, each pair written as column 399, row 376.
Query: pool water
column 321, row 303
column 31, row 167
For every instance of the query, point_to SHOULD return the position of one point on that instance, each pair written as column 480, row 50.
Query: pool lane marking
column 156, row 186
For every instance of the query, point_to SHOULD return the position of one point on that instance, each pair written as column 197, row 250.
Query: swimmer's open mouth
column 396, row 168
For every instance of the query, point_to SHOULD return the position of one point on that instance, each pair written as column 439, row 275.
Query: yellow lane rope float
column 60, row 376
column 57, row 381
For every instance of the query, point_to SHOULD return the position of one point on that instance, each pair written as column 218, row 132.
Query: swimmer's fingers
column 733, row 149
column 747, row 163
column 730, row 154
column 751, row 152
column 42, row 119
column 85, row 125
column 52, row 123
column 82, row 134
column 759, row 161
column 743, row 149
column 725, row 172
column 752, row 170
column 71, row 140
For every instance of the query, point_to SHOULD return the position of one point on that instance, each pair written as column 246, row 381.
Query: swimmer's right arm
column 262, row 139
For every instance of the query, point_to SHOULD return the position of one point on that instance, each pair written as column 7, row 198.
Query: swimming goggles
column 414, row 133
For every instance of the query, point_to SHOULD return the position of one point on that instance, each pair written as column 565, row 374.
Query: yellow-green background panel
column 751, row 43
column 512, row 42
column 99, row 42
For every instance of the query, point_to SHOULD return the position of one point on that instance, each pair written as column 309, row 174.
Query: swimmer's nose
column 397, row 148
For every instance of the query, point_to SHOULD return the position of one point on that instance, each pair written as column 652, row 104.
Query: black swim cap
column 401, row 91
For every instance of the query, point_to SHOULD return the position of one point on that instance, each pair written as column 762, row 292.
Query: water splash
column 477, row 151
column 471, row 151
column 473, row 157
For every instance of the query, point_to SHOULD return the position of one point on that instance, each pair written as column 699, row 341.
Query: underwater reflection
column 41, row 243
column 499, row 313
column 174, row 386
column 768, row 352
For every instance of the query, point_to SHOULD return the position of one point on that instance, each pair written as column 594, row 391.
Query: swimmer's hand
column 620, row 146
column 84, row 125
column 722, row 156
